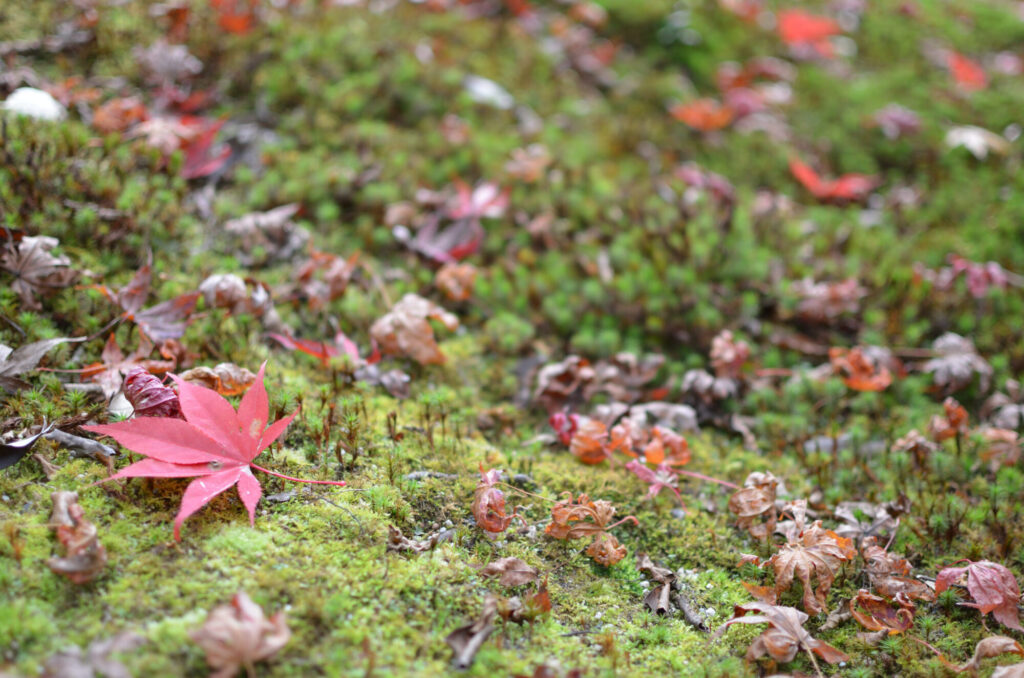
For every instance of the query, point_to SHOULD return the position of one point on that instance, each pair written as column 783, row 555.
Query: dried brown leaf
column 405, row 329
column 239, row 635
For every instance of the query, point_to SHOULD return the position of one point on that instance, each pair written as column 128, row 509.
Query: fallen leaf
column 489, row 503
column 513, row 572
column 858, row 371
column 405, row 329
column 663, row 477
column 399, row 542
column 110, row 373
column 214, row 443
column 950, row 424
column 36, row 271
column 657, row 600
column 705, row 115
column 148, row 395
column 227, row 379
column 85, row 557
column 754, row 505
column 266, row 237
column 22, row 359
column 606, row 550
column 993, row 646
column 96, row 660
column 13, row 451
column 456, row 281
column 876, row 614
column 785, row 638
column 847, row 188
column 967, row 74
column 467, row 640
column 992, row 587
column 956, row 364
column 239, row 635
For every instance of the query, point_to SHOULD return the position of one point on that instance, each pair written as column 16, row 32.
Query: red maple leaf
column 969, row 75
column 800, row 28
column 321, row 350
column 214, row 444
column 200, row 160
column 848, row 187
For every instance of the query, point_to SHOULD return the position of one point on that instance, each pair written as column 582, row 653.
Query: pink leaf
column 202, row 490
column 215, row 444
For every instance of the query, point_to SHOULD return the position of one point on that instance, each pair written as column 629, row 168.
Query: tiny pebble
column 449, row 524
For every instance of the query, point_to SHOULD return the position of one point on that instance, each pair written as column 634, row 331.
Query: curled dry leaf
column 823, row 303
column 227, row 379
column 22, row 359
column 956, row 364
column 813, row 553
column 916, row 444
column 951, row 424
column 266, row 237
column 606, row 550
column 95, row 660
column 728, row 355
column 399, row 542
column 590, row 442
column 876, row 614
column 992, row 587
column 512, row 572
column 993, row 646
column 239, row 635
column 489, row 503
column 858, row 371
column 754, row 505
column 148, row 395
column 664, row 476
column 467, row 640
column 36, row 271
column 785, row 638
column 456, row 281
column 405, row 329
column 324, row 277
column 85, row 557
column 110, row 373
column 658, row 598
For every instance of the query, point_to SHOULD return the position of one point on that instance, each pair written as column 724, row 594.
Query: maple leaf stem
column 814, row 662
column 701, row 476
column 339, row 483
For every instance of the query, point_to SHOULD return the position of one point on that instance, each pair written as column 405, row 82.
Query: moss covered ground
column 352, row 110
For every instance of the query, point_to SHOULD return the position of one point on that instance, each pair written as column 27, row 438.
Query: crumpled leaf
column 585, row 518
column 785, row 638
column 263, row 238
column 823, row 302
column 110, row 373
column 859, row 372
column 215, row 444
column 606, row 550
column 754, row 505
column 489, row 503
column 951, row 424
column 227, row 379
column 880, row 519
column 229, row 291
column 456, row 281
column 810, row 553
column 977, row 140
column 875, row 614
column 590, row 442
column 405, row 329
column 95, row 661
column 148, row 395
column 239, row 635
column 467, row 640
column 22, row 359
column 993, row 646
column 399, row 542
column 992, row 587
column 36, row 271
column 512, row 572
column 956, row 364
column 658, row 598
column 323, row 278
column 162, row 322
column 85, row 556
column 728, row 355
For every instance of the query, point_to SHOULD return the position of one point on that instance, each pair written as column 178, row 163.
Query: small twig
column 691, row 617
column 81, row 447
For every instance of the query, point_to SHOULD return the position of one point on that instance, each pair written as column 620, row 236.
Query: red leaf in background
column 565, row 425
column 320, row 350
column 848, row 187
column 658, row 479
column 705, row 115
column 968, row 74
column 235, row 16
column 148, row 395
column 214, row 443
column 799, row 27
column 992, row 586
column 199, row 159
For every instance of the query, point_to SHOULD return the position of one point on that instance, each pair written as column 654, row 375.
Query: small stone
column 35, row 103
column 449, row 524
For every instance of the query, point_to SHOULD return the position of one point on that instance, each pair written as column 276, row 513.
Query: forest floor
column 492, row 253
